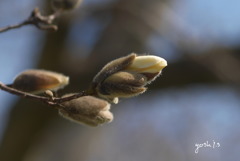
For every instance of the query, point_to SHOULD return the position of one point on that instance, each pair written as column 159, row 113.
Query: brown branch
column 52, row 101
column 13, row 26
column 38, row 20
column 68, row 98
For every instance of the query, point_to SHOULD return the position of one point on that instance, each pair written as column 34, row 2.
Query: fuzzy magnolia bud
column 88, row 110
column 38, row 81
column 64, row 5
column 127, row 76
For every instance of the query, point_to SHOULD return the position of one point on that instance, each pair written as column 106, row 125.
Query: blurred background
column 194, row 101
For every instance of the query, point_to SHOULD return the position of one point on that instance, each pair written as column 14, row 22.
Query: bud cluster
column 121, row 78
column 127, row 76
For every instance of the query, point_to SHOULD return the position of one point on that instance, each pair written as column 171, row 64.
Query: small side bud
column 49, row 93
column 114, row 100
column 88, row 110
column 38, row 81
column 65, row 5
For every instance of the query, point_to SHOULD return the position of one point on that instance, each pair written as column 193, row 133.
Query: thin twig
column 68, row 98
column 55, row 101
column 38, row 20
column 14, row 26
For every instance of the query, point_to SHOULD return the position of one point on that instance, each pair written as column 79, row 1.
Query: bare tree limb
column 38, row 20
column 52, row 101
column 13, row 26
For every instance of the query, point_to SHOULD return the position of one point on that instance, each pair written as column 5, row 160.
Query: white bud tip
column 148, row 63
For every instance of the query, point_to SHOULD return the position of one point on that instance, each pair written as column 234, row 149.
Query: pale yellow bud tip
column 148, row 64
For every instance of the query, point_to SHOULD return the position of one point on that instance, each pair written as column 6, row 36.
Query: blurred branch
column 222, row 62
column 52, row 101
column 36, row 19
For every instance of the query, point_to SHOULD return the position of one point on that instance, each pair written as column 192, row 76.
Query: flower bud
column 38, row 81
column 127, row 76
column 122, row 84
column 113, row 67
column 88, row 110
column 49, row 93
column 64, row 5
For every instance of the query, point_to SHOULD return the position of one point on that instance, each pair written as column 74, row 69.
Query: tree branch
column 52, row 101
column 13, row 26
column 38, row 20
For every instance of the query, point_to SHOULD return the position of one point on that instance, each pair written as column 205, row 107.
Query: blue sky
column 214, row 18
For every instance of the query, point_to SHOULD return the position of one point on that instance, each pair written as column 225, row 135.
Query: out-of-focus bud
column 38, row 81
column 65, row 5
column 88, row 110
column 127, row 76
